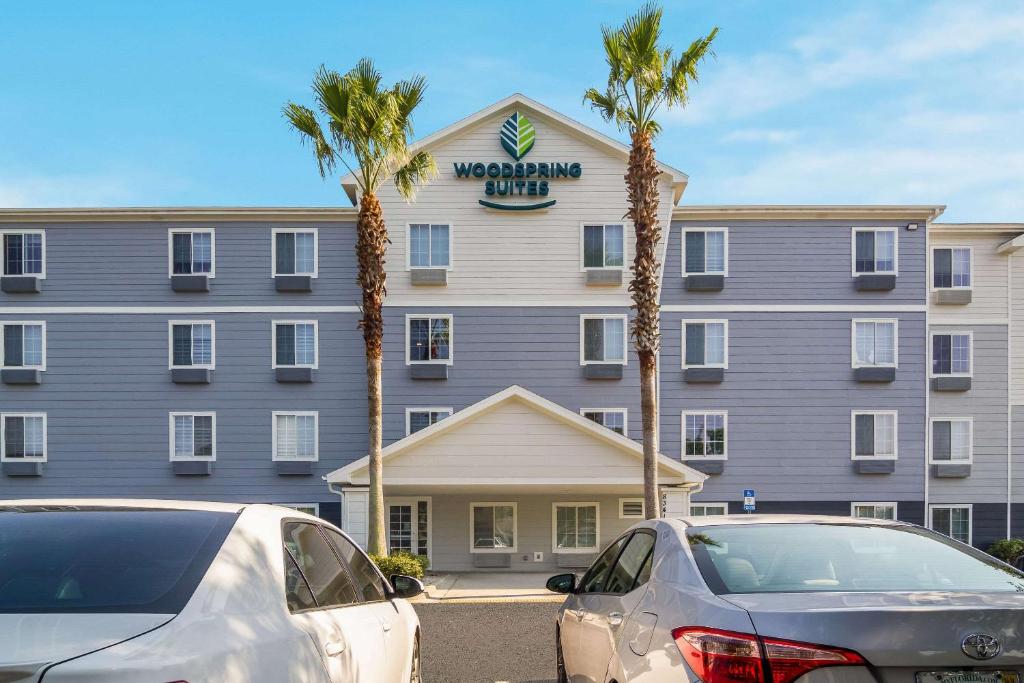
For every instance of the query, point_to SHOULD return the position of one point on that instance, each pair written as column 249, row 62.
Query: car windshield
column 68, row 560
column 787, row 558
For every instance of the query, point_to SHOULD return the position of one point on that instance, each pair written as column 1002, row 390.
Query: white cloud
column 764, row 135
column 82, row 190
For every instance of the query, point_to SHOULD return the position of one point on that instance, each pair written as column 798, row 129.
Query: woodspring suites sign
column 519, row 179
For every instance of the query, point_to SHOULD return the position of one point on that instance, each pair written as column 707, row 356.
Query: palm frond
column 304, row 121
column 683, row 71
column 418, row 170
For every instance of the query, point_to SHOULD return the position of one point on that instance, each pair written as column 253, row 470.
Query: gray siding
column 789, row 394
column 796, row 262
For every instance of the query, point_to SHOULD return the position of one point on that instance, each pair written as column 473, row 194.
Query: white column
column 355, row 514
column 676, row 502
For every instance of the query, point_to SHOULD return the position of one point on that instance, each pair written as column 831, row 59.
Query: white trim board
column 170, row 310
column 794, row 308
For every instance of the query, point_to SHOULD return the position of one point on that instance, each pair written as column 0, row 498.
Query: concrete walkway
column 487, row 587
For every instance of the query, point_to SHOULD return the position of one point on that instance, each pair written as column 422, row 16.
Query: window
column 603, row 246
column 708, row 509
column 952, row 440
column 603, row 339
column 193, row 436
column 952, row 520
column 874, row 251
column 408, row 523
column 873, row 510
column 874, row 435
column 594, row 580
column 633, row 566
column 493, row 527
column 704, row 435
column 192, row 343
column 705, row 251
column 296, row 344
column 875, row 343
column 294, row 252
column 951, row 353
column 614, row 420
column 951, row 268
column 428, row 339
column 308, row 508
column 191, row 252
column 421, row 418
column 323, row 572
column 576, row 528
column 367, row 578
column 631, row 508
column 24, row 345
column 705, row 344
column 296, row 436
column 24, row 252
column 429, row 245
column 24, row 436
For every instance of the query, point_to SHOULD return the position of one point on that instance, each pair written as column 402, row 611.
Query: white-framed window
column 602, row 246
column 875, row 250
column 191, row 251
column 952, row 267
column 952, row 520
column 296, row 343
column 952, row 440
column 613, row 418
column 631, row 508
column 430, row 245
column 708, row 509
column 24, row 252
column 421, row 418
column 295, row 251
column 873, row 435
column 704, row 435
column 308, row 508
column 296, row 435
column 875, row 343
column 193, row 436
column 493, row 528
column 24, row 344
column 705, row 251
column 705, row 344
column 429, row 338
column 873, row 510
column 575, row 528
column 191, row 344
column 23, row 436
column 951, row 353
column 603, row 339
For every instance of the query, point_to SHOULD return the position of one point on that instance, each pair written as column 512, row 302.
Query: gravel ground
column 477, row 643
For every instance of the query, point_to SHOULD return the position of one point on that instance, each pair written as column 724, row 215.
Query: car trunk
column 29, row 642
column 899, row 634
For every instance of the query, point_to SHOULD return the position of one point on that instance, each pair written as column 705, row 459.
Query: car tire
column 560, row 675
column 416, row 669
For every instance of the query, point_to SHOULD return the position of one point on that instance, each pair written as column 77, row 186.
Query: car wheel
column 560, row 675
column 415, row 672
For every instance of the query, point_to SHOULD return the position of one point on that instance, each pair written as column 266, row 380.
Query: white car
column 128, row 591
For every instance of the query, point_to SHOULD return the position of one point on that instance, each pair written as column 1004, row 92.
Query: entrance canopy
column 516, row 439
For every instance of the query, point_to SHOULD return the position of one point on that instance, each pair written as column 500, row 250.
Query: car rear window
column 787, row 558
column 105, row 560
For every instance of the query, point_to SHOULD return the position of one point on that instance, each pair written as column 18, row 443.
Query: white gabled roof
column 344, row 475
column 586, row 133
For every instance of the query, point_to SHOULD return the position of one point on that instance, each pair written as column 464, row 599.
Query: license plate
column 968, row 677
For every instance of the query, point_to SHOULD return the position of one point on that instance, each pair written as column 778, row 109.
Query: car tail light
column 728, row 657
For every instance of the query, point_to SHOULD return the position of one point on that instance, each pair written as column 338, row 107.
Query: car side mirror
column 406, row 586
column 561, row 583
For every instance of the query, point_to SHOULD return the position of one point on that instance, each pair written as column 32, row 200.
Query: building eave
column 219, row 214
column 753, row 212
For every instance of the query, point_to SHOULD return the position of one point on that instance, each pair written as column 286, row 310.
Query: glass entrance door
column 409, row 526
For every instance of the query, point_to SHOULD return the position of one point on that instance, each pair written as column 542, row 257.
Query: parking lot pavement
column 486, row 643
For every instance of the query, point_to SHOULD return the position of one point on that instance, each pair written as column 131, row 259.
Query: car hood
column 32, row 641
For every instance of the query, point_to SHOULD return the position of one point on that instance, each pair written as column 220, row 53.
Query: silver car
column 778, row 599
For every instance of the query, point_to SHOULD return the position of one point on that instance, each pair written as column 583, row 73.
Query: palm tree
column 642, row 77
column 367, row 130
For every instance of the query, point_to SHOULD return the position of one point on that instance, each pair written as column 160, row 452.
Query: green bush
column 1009, row 550
column 402, row 563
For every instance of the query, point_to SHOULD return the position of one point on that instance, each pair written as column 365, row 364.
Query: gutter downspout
column 1009, row 395
column 927, row 522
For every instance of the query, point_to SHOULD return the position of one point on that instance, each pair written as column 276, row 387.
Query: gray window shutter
column 285, row 253
column 695, row 344
column 942, row 440
column 865, row 431
column 694, row 252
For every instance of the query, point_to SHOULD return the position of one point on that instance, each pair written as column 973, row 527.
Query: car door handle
column 576, row 613
column 386, row 625
column 615, row 619
column 334, row 648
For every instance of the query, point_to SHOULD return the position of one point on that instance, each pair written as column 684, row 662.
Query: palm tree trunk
column 642, row 185
column 371, row 246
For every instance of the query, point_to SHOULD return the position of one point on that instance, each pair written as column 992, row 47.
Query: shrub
column 1009, row 550
column 402, row 563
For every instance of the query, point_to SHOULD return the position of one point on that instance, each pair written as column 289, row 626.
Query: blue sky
column 129, row 103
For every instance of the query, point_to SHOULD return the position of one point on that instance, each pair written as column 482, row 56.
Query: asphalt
column 512, row 642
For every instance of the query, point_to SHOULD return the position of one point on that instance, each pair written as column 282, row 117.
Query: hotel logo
column 517, row 135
